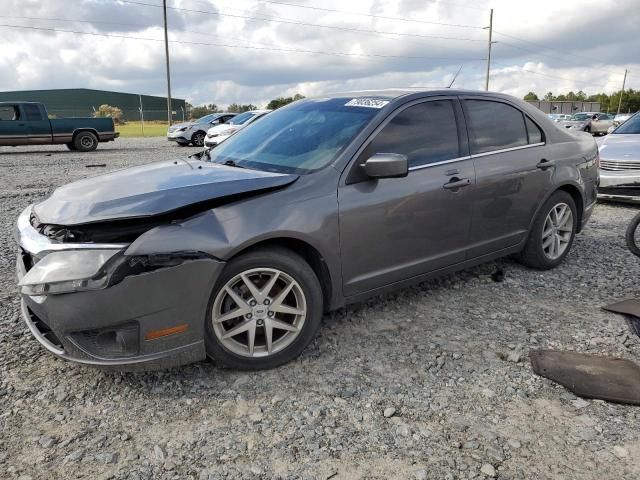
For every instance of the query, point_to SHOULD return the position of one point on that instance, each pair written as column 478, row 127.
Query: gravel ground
column 432, row 382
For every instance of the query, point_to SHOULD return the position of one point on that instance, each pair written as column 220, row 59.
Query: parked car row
column 595, row 123
column 212, row 129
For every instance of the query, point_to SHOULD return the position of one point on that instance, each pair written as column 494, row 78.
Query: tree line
column 203, row 110
column 608, row 103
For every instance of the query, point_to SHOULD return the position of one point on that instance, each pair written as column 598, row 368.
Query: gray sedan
column 590, row 122
column 322, row 203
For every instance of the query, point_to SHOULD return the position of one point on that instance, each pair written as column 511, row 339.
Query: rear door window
column 494, row 126
column 426, row 133
column 9, row 112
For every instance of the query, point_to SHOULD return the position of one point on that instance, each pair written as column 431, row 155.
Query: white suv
column 193, row 132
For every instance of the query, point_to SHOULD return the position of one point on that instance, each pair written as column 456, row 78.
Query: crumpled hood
column 150, row 190
column 620, row 147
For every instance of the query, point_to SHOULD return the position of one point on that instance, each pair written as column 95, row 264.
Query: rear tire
column 85, row 142
column 276, row 330
column 552, row 233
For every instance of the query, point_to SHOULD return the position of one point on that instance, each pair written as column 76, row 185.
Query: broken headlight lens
column 68, row 271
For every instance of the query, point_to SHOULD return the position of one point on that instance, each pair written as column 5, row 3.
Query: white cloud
column 588, row 54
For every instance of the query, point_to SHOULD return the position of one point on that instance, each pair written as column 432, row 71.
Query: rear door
column 509, row 153
column 393, row 229
column 38, row 124
column 13, row 129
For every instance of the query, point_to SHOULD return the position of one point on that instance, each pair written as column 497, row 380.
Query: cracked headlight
column 69, row 271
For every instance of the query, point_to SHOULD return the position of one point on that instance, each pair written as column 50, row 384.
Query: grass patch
column 134, row 129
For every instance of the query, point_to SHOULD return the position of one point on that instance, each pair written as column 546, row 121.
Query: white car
column 220, row 133
column 193, row 132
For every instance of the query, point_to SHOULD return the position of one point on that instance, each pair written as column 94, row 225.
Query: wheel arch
column 308, row 252
column 84, row 129
column 576, row 195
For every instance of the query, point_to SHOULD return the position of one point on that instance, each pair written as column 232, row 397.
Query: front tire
column 265, row 308
column 197, row 139
column 552, row 234
column 630, row 235
column 85, row 142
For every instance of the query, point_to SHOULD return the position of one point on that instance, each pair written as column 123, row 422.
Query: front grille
column 618, row 166
column 43, row 329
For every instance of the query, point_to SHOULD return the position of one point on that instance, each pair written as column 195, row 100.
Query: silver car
column 591, row 122
column 620, row 162
column 194, row 132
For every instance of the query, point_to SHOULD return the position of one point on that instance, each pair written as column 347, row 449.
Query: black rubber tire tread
column 77, row 142
column 295, row 266
column 193, row 138
column 71, row 147
column 532, row 255
column 630, row 235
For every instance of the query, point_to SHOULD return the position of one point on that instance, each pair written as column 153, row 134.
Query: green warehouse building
column 83, row 102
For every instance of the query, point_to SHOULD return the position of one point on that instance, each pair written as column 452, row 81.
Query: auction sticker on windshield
column 366, row 102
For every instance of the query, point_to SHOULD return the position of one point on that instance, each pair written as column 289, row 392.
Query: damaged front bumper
column 145, row 321
column 619, row 186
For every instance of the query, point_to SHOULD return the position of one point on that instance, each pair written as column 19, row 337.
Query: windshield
column 240, row 119
column 630, row 126
column 299, row 138
column 579, row 117
column 208, row 118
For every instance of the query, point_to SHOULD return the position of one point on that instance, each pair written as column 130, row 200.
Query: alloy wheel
column 557, row 231
column 259, row 312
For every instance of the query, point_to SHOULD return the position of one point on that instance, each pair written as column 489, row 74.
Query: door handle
column 544, row 164
column 456, row 183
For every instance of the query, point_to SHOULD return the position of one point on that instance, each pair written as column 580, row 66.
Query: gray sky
column 589, row 44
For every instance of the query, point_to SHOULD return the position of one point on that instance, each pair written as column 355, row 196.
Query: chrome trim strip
column 504, row 150
column 35, row 243
column 435, row 164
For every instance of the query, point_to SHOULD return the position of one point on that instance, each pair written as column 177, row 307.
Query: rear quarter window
column 535, row 134
column 494, row 126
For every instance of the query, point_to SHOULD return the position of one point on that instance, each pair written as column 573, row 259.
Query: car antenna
column 455, row 76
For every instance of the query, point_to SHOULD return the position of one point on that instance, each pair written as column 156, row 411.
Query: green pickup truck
column 27, row 123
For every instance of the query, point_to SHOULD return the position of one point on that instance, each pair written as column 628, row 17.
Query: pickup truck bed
column 27, row 123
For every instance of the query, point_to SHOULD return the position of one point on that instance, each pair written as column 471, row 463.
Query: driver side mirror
column 386, row 165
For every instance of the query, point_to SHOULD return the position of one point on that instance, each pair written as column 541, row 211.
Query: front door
column 396, row 228
column 514, row 168
column 38, row 124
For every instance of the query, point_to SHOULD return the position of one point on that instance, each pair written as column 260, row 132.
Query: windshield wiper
column 231, row 163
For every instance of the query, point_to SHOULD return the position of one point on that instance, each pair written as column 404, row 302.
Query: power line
column 185, row 42
column 304, row 24
column 370, row 15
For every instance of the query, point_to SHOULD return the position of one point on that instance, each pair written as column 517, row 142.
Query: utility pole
column 490, row 27
column 166, row 51
column 624, row 80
